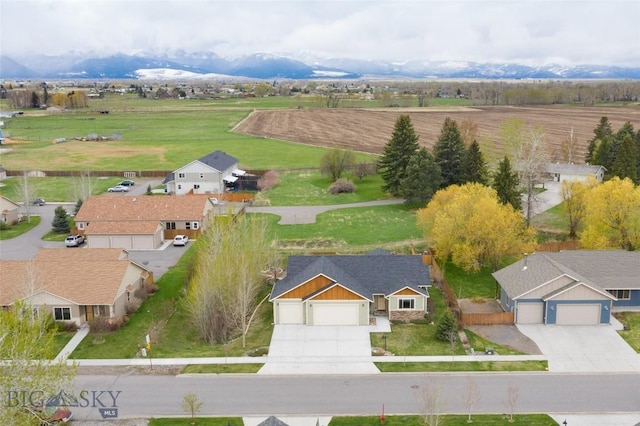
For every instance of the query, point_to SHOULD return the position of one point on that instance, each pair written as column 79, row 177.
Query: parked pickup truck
column 74, row 240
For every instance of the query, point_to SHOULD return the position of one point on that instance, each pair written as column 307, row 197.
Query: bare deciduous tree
column 431, row 400
column 471, row 396
column 26, row 192
column 191, row 405
column 83, row 186
column 513, row 394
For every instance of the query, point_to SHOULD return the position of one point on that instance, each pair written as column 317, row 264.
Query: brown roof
column 128, row 227
column 99, row 282
column 143, row 207
column 80, row 255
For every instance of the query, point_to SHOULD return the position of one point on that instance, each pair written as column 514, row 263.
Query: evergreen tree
column 76, row 208
column 602, row 132
column 422, row 181
column 603, row 155
column 397, row 153
column 623, row 132
column 626, row 163
column 637, row 143
column 60, row 223
column 449, row 153
column 506, row 182
column 446, row 327
column 474, row 168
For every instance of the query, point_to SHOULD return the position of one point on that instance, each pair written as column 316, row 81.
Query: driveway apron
column 301, row 349
column 583, row 348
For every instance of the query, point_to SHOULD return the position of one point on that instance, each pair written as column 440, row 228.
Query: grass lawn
column 551, row 225
column 311, row 189
column 467, row 285
column 61, row 339
column 16, row 230
column 221, row 368
column 418, row 339
column 448, row 420
column 425, row 367
column 480, row 344
column 57, row 189
column 631, row 321
column 177, row 337
column 350, row 229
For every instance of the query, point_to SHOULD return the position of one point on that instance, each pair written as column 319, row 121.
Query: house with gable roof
column 9, row 211
column 570, row 287
column 214, row 173
column 141, row 222
column 560, row 172
column 349, row 289
column 47, row 284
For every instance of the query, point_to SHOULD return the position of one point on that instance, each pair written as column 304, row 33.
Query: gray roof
column 600, row 269
column 218, row 160
column 272, row 421
column 572, row 169
column 376, row 273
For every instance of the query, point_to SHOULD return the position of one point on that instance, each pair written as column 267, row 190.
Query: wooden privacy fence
column 559, row 245
column 495, row 318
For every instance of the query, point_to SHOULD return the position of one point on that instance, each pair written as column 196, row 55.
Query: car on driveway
column 127, row 183
column 74, row 240
column 38, row 202
column 119, row 188
column 180, row 240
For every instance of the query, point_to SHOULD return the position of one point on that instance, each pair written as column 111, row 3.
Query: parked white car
column 74, row 241
column 119, row 188
column 180, row 240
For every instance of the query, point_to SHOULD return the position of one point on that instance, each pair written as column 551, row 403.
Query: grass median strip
column 444, row 366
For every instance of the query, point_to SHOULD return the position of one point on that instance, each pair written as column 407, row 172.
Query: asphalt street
column 255, row 395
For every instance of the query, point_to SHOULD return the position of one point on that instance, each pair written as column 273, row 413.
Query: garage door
column 530, row 313
column 585, row 314
column 290, row 313
column 335, row 314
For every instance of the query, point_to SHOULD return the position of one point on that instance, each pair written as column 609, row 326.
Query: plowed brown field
column 368, row 130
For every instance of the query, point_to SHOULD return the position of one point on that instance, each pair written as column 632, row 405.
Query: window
column 195, row 225
column 181, row 176
column 187, row 225
column 201, row 175
column 80, row 225
column 196, row 186
column 621, row 294
column 170, row 225
column 62, row 314
column 406, row 303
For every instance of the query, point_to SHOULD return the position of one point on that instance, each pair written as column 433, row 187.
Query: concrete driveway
column 301, row 349
column 583, row 348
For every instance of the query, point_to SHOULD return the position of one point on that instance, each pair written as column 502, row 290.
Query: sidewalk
column 73, row 343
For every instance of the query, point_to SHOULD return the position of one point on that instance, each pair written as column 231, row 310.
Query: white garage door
column 290, row 313
column 530, row 313
column 586, row 314
column 335, row 314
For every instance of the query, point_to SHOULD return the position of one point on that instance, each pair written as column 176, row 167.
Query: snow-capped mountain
column 181, row 64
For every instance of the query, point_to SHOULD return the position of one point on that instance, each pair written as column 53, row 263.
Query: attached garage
column 578, row 314
column 530, row 313
column 334, row 313
column 136, row 235
column 290, row 313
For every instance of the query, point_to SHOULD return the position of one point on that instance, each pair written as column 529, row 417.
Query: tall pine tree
column 422, row 181
column 474, row 168
column 506, row 183
column 449, row 153
column 397, row 154
column 60, row 223
column 602, row 132
column 625, row 165
column 603, row 155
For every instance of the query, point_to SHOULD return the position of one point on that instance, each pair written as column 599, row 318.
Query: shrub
column 342, row 186
column 141, row 294
column 107, row 325
column 132, row 305
column 268, row 181
column 150, row 288
column 446, row 327
column 4, row 226
column 260, row 200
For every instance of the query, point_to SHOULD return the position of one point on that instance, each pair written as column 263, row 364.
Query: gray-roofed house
column 214, row 173
column 571, row 287
column 349, row 289
column 574, row 172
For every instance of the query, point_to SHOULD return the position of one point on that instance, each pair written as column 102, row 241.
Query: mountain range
column 208, row 65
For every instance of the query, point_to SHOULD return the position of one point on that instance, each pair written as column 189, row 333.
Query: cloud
column 531, row 32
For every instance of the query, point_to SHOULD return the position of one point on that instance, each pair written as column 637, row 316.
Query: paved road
column 242, row 395
column 296, row 215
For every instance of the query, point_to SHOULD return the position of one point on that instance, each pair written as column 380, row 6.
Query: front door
column 89, row 312
column 381, row 304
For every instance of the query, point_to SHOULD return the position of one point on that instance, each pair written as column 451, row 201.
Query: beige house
column 214, row 173
column 141, row 222
column 560, row 172
column 53, row 283
column 9, row 211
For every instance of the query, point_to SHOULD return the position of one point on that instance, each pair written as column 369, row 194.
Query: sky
column 531, row 32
